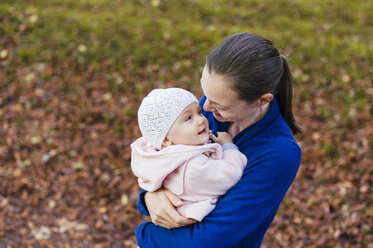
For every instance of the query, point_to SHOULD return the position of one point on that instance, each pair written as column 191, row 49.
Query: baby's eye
column 200, row 112
column 188, row 118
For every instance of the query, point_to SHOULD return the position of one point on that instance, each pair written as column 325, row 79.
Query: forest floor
column 72, row 75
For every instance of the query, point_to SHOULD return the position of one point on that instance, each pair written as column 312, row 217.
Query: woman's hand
column 161, row 206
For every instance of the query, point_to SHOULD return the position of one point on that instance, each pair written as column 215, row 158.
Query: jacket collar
column 256, row 128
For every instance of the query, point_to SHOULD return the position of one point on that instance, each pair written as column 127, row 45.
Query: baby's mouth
column 203, row 131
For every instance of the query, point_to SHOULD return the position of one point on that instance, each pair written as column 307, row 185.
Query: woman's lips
column 217, row 114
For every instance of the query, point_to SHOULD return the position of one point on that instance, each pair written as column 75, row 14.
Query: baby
column 174, row 152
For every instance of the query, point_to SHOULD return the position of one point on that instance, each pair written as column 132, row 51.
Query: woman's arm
column 202, row 175
column 160, row 205
column 244, row 214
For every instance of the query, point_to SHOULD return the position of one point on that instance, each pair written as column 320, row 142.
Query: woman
column 248, row 92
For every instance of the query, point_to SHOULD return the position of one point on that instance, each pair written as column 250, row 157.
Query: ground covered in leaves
column 72, row 74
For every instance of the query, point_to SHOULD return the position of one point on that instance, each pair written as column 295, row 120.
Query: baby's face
column 190, row 128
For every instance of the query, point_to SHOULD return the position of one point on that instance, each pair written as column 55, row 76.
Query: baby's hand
column 223, row 137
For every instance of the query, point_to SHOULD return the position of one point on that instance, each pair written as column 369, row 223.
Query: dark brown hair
column 255, row 67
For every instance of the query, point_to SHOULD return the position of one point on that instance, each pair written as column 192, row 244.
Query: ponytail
column 285, row 97
column 255, row 67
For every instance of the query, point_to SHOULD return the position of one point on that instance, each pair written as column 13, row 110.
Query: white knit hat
column 159, row 110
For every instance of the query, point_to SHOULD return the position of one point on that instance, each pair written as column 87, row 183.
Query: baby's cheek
column 207, row 122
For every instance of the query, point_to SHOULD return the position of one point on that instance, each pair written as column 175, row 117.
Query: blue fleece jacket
column 244, row 214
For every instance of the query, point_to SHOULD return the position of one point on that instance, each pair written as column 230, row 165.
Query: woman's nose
column 208, row 106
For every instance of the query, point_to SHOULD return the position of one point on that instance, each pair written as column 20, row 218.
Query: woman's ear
column 264, row 99
column 166, row 142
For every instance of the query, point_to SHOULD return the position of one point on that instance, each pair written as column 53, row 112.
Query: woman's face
column 223, row 101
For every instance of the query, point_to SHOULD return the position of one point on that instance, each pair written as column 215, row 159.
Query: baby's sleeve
column 214, row 177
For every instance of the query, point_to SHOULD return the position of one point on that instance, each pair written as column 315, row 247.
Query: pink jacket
column 196, row 179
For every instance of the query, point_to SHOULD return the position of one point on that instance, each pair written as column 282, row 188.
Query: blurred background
column 73, row 73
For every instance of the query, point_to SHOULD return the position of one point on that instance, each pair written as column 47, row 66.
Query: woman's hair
column 255, row 67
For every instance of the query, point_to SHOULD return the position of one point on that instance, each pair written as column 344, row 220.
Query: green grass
column 324, row 34
column 328, row 42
